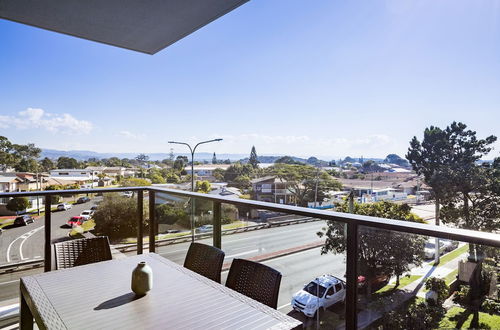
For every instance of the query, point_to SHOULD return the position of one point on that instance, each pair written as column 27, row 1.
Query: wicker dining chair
column 205, row 260
column 255, row 280
column 82, row 251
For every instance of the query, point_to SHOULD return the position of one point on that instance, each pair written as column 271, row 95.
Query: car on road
column 76, row 221
column 82, row 200
column 1, row 231
column 87, row 214
column 449, row 245
column 23, row 220
column 128, row 194
column 64, row 206
column 430, row 248
column 320, row 293
column 205, row 229
column 93, row 208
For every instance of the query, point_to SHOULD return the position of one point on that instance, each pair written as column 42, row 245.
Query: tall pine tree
column 253, row 158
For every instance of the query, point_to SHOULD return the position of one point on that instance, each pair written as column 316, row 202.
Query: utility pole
column 192, row 150
column 316, row 188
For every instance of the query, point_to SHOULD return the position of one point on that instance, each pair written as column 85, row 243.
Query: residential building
column 206, row 172
column 272, row 189
column 78, row 175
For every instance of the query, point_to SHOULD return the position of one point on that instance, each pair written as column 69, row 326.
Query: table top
column 98, row 296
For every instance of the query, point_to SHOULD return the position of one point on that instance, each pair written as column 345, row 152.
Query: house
column 9, row 182
column 112, row 171
column 32, row 181
column 80, row 176
column 272, row 189
column 206, row 172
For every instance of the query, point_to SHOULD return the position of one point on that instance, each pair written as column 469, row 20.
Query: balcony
column 292, row 247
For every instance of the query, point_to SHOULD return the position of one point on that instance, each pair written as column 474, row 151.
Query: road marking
column 23, row 236
column 242, row 253
column 284, row 306
column 8, row 282
column 30, row 233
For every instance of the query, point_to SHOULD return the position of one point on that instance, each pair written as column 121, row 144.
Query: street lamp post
column 192, row 150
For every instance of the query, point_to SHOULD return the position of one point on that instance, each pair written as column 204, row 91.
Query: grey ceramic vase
column 142, row 279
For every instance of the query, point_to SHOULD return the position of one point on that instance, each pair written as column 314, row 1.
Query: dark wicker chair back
column 82, row 251
column 255, row 280
column 205, row 260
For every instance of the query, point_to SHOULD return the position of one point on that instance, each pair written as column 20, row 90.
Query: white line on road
column 31, row 233
column 242, row 253
column 23, row 236
column 8, row 282
column 285, row 305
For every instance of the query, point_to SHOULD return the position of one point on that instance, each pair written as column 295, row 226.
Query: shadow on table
column 118, row 301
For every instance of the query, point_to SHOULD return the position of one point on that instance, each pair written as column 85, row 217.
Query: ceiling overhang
column 146, row 26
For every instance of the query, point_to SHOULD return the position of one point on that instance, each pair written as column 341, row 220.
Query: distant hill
column 85, row 154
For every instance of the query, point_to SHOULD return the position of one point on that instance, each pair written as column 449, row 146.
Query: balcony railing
column 353, row 225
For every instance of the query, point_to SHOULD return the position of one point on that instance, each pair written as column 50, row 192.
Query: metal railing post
column 140, row 218
column 351, row 312
column 152, row 221
column 217, row 225
column 48, row 247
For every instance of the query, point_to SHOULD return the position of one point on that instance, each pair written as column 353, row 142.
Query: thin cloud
column 132, row 136
column 38, row 118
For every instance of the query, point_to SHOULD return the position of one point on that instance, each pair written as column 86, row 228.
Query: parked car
column 379, row 281
column 24, row 220
column 1, row 231
column 430, row 248
column 87, row 214
column 320, row 293
column 128, row 194
column 449, row 245
column 76, row 221
column 64, row 206
column 82, row 200
column 93, row 208
column 205, row 229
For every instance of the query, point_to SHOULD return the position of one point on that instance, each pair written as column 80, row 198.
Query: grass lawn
column 404, row 281
column 86, row 226
column 234, row 225
column 452, row 255
column 7, row 223
column 451, row 277
column 449, row 321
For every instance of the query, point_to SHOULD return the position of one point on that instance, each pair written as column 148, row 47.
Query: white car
column 64, row 206
column 205, row 229
column 320, row 293
column 87, row 214
column 430, row 248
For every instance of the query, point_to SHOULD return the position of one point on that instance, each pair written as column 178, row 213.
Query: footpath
column 391, row 302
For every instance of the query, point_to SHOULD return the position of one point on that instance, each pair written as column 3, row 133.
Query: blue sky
column 323, row 78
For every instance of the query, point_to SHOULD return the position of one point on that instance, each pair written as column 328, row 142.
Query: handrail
column 458, row 234
column 353, row 223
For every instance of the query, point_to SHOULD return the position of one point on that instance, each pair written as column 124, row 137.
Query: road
column 26, row 243
column 297, row 268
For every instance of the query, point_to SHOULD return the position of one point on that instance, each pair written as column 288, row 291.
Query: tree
column 389, row 251
column 135, row 182
column 171, row 214
column 370, row 166
column 214, row 159
column 67, row 162
column 116, row 217
column 242, row 182
column 47, row 164
column 18, row 204
column 395, row 159
column 7, row 156
column 438, row 285
column 113, row 162
column 253, row 160
column 287, row 160
column 203, row 187
column 237, row 169
column 142, row 158
column 302, row 179
column 26, row 155
column 218, row 174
